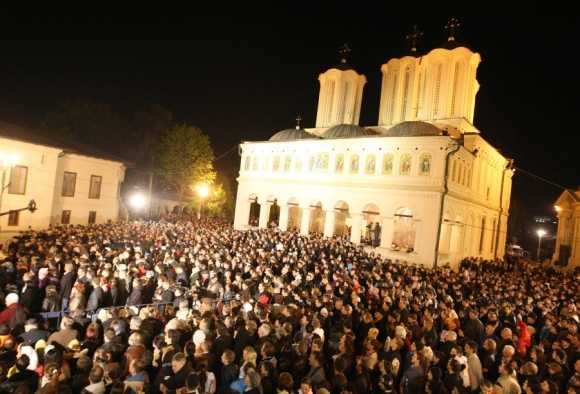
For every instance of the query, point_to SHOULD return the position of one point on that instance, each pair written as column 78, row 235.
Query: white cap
column 12, row 298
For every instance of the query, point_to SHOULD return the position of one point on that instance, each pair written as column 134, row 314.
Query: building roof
column 346, row 131
column 25, row 134
column 413, row 129
column 292, row 135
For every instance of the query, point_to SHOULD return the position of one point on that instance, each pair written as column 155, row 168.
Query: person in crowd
column 178, row 306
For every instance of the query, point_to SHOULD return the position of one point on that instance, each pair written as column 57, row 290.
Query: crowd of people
column 198, row 307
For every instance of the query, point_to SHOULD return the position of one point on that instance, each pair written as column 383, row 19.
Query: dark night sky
column 244, row 74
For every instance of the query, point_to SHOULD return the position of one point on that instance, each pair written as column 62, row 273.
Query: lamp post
column 137, row 201
column 202, row 191
column 7, row 160
column 541, row 233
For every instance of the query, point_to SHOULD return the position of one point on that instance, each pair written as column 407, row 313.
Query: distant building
column 423, row 181
column 568, row 238
column 71, row 184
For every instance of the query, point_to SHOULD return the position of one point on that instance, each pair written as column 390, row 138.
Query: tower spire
column 452, row 28
column 413, row 38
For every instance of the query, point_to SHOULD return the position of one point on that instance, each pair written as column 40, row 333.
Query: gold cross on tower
column 413, row 38
column 452, row 28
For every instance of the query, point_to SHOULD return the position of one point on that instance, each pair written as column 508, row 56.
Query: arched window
column 437, row 90
column 370, row 165
column 393, row 95
column 322, row 162
column 405, row 165
column 406, row 92
column 425, row 164
column 455, row 111
column 494, row 223
column 354, row 164
column 311, row 163
column 298, row 165
column 276, row 164
column 403, row 231
column 247, row 163
column 388, row 164
column 266, row 164
column 254, row 163
column 482, row 235
column 339, row 163
column 469, row 173
column 287, row 163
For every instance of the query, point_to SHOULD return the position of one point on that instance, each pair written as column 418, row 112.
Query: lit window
column 354, row 163
column 287, row 163
column 276, row 164
column 92, row 217
column 311, row 163
column 388, row 164
column 69, row 184
column 370, row 164
column 298, row 165
column 322, row 162
column 18, row 177
column 247, row 163
column 405, row 165
column 339, row 163
column 425, row 164
column 254, row 163
column 266, row 164
column 95, row 187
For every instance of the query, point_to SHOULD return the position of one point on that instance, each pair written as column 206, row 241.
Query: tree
column 184, row 158
column 218, row 203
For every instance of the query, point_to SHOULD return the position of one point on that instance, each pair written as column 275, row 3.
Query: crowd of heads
column 198, row 307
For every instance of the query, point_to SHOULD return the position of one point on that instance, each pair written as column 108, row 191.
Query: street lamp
column 202, row 191
column 137, row 201
column 541, row 232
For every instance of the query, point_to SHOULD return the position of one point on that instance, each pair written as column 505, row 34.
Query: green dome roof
column 346, row 131
column 292, row 135
column 413, row 129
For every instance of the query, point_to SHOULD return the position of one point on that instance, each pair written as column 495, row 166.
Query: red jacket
column 7, row 313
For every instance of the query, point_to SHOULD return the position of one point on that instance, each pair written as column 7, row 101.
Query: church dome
column 346, row 131
column 292, row 135
column 413, row 129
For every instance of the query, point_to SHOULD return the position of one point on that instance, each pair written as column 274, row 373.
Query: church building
column 422, row 185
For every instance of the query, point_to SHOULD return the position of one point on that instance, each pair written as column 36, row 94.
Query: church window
column 370, row 164
column 469, row 173
column 247, row 163
column 455, row 111
column 437, row 90
column 254, row 163
column 403, row 231
column 266, row 164
column 425, row 164
column 298, row 165
column 388, row 164
column 322, row 162
column 311, row 163
column 405, row 165
column 393, row 96
column 354, row 161
column 339, row 163
column 406, row 92
column 287, row 163
column 482, row 235
column 276, row 164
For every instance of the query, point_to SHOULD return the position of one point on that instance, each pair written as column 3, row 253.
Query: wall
column 42, row 163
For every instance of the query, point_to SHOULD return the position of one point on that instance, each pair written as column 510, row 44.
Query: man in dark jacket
column 30, row 294
column 32, row 333
column 136, row 297
column 66, row 284
column 473, row 328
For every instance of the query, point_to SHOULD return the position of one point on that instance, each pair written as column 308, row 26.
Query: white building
column 436, row 187
column 568, row 236
column 70, row 185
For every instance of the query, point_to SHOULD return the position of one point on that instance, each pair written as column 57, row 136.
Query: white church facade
column 437, row 190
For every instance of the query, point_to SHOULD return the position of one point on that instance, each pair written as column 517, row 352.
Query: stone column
column 356, row 229
column 264, row 215
column 283, row 222
column 305, row 223
column 329, row 223
column 387, row 232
